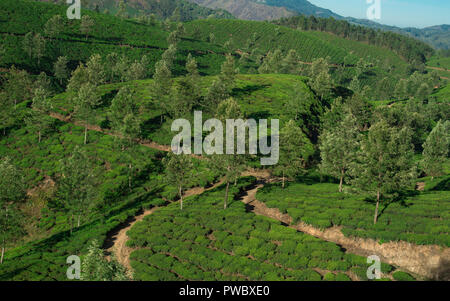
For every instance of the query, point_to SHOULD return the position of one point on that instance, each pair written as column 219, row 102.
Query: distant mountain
column 301, row 6
column 248, row 9
column 438, row 36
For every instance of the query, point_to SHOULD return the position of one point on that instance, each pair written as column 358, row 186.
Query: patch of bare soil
column 117, row 241
column 430, row 261
column 420, row 186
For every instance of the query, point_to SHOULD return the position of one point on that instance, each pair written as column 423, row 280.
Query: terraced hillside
column 134, row 40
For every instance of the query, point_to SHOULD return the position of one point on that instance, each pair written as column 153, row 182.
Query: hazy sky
column 402, row 13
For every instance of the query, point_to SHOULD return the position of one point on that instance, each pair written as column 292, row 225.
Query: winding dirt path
column 96, row 128
column 116, row 240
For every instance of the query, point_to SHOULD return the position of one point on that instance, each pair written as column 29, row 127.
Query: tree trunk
column 85, row 134
column 283, row 180
column 3, row 252
column 341, row 181
column 130, row 166
column 78, row 221
column 71, row 224
column 39, row 136
column 375, row 218
column 226, row 195
column 180, row 191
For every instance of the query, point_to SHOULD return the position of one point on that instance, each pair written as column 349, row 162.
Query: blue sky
column 402, row 13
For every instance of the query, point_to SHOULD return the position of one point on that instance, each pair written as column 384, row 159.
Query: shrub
column 402, row 276
column 342, row 277
column 329, row 277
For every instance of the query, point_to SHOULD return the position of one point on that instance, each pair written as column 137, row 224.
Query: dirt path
column 96, row 128
column 430, row 261
column 116, row 240
column 437, row 68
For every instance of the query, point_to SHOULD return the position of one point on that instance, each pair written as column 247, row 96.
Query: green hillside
column 115, row 201
column 86, row 115
column 111, row 34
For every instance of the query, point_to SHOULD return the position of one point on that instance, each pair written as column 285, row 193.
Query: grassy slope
column 308, row 44
column 443, row 94
column 441, row 65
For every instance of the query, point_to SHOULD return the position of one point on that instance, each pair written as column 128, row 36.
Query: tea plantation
column 205, row 242
column 420, row 219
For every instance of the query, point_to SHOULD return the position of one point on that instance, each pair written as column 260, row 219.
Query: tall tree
column 338, row 148
column 76, row 186
column 12, row 191
column 125, row 121
column 169, row 56
column 436, row 149
column 222, row 87
column 86, row 25
column 95, row 70
column 38, row 47
column 186, row 91
column 299, row 102
column 85, row 101
column 18, row 85
column 230, row 165
column 38, row 117
column 401, row 89
column 162, row 86
column 54, row 26
column 122, row 9
column 385, row 163
column 322, row 84
column 27, row 44
column 6, row 112
column 178, row 172
column 361, row 110
column 60, row 69
column 290, row 64
column 295, row 151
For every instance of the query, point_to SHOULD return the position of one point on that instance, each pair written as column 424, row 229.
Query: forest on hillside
column 358, row 119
